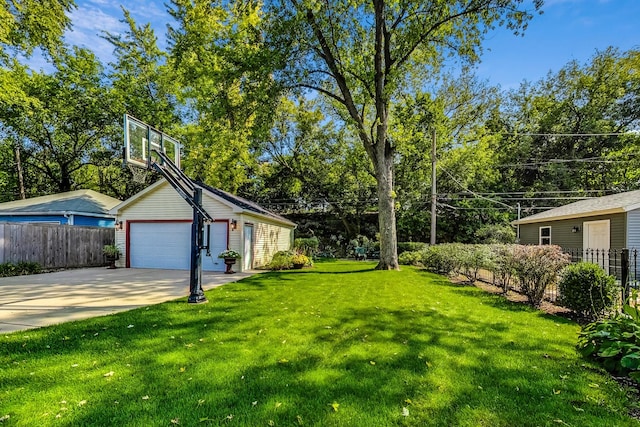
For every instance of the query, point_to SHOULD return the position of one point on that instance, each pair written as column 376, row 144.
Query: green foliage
column 473, row 258
column 503, row 265
column 282, row 260
column 414, row 258
column 27, row 24
column 111, row 250
column 537, row 267
column 615, row 343
column 22, row 268
column 495, row 234
column 587, row 290
column 68, row 127
column 300, row 259
column 410, row 247
column 308, row 246
column 229, row 253
column 285, row 348
column 440, row 258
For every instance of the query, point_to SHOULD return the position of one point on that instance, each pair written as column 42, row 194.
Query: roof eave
column 125, row 203
column 47, row 213
column 569, row 216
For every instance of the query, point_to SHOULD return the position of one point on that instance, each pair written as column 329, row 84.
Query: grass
column 339, row 345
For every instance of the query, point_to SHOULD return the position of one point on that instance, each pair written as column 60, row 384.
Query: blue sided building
column 81, row 207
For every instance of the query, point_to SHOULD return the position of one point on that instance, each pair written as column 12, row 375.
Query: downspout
column 69, row 218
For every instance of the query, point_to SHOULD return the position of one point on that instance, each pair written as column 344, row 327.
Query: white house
column 153, row 230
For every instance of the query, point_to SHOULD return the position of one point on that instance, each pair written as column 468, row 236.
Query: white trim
column 585, row 232
column 63, row 213
column 234, row 208
column 540, row 236
column 569, row 216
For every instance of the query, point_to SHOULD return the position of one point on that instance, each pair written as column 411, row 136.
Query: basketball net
column 138, row 174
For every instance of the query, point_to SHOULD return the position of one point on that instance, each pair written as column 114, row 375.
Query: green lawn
column 340, row 344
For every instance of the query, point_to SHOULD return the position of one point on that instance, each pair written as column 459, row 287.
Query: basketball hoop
column 138, row 174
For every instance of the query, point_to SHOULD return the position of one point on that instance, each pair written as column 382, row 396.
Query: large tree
column 363, row 55
column 68, row 121
column 27, row 24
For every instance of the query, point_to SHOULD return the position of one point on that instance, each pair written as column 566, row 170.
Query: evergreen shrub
column 587, row 290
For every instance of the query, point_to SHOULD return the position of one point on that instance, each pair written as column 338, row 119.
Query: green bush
column 308, row 246
column 615, row 343
column 300, row 258
column 470, row 259
column 9, row 269
column 503, row 265
column 439, row 259
column 410, row 247
column 496, row 234
column 282, row 260
column 411, row 258
column 587, row 290
column 537, row 267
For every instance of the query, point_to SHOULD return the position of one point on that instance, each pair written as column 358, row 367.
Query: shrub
column 495, row 233
column 470, row 259
column 300, row 259
column 308, row 246
column 9, row 269
column 410, row 247
column 411, row 258
column 503, row 265
column 537, row 267
column 111, row 251
column 281, row 261
column 587, row 290
column 439, row 259
column 615, row 343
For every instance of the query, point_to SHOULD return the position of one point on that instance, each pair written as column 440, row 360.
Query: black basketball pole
column 196, row 295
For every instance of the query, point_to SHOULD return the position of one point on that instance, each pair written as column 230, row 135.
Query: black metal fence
column 621, row 263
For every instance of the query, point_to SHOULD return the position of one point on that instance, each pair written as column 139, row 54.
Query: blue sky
column 567, row 30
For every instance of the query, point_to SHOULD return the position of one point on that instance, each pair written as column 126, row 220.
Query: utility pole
column 433, row 187
column 518, row 229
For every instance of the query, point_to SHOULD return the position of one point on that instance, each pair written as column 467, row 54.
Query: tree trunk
column 23, row 194
column 386, row 213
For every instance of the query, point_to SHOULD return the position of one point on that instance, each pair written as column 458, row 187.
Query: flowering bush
column 229, row 253
column 300, row 259
column 537, row 267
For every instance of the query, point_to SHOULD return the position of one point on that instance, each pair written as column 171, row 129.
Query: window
column 545, row 235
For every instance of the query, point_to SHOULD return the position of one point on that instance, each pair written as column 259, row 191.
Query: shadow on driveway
column 45, row 299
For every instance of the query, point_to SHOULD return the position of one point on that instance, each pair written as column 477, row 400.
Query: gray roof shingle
column 79, row 201
column 621, row 202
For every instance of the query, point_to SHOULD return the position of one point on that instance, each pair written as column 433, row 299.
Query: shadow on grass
column 260, row 353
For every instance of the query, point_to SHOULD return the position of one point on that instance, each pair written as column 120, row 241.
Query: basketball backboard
column 139, row 141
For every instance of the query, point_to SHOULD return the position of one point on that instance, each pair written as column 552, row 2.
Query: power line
column 477, row 195
column 568, row 134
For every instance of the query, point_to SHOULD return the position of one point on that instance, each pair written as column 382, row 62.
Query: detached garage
column 153, row 230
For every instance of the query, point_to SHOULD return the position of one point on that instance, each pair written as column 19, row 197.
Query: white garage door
column 167, row 245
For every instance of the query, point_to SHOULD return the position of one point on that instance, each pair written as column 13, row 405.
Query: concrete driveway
column 45, row 299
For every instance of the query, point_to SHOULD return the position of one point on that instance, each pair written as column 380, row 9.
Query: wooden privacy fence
column 53, row 245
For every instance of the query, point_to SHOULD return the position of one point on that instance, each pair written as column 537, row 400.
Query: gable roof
column 614, row 203
column 86, row 202
column 238, row 204
column 244, row 204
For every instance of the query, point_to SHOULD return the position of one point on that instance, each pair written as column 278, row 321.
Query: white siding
column 164, row 203
column 270, row 237
column 633, row 229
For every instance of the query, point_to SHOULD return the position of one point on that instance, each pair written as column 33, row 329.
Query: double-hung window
column 545, row 236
